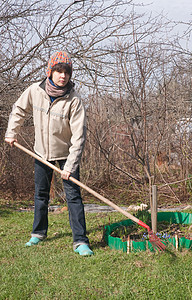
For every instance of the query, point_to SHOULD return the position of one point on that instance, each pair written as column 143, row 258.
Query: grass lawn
column 51, row 270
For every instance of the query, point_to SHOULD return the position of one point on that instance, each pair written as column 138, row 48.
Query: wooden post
column 176, row 242
column 154, row 209
column 128, row 244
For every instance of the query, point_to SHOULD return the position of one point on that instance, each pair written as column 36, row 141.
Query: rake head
column 155, row 241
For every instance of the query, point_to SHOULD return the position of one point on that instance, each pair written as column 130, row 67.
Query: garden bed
column 173, row 228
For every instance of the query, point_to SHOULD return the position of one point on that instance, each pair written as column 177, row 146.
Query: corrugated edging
column 172, row 217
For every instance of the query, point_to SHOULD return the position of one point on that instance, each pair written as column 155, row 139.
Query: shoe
column 33, row 241
column 84, row 250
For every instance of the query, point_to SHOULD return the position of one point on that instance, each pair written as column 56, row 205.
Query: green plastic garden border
column 173, row 217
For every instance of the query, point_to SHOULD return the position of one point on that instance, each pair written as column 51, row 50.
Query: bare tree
column 35, row 29
column 151, row 96
column 133, row 81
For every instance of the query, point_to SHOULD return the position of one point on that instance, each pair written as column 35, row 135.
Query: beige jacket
column 60, row 127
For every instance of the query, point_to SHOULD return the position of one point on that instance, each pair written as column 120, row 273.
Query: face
column 60, row 79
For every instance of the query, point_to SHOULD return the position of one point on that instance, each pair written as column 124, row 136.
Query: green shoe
column 84, row 250
column 33, row 241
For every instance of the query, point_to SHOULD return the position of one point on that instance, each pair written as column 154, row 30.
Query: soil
column 165, row 231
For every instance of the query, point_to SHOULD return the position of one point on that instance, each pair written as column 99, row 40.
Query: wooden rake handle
column 105, row 200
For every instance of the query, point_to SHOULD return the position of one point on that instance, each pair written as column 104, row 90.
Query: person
column 60, row 131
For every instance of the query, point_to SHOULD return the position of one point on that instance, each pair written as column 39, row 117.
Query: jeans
column 43, row 177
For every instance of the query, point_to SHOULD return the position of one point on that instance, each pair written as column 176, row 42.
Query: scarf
column 56, row 91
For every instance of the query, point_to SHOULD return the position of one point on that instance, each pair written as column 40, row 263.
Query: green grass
column 52, row 270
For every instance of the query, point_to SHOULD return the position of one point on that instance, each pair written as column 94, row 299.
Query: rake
column 154, row 240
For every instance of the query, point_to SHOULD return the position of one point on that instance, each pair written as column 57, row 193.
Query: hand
column 10, row 141
column 65, row 174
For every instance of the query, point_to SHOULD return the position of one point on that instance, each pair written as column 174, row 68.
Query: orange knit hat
column 56, row 58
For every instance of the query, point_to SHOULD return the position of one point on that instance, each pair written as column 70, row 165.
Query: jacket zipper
column 47, row 112
column 48, row 115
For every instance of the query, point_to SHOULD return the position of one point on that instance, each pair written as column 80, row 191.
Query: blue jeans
column 43, row 177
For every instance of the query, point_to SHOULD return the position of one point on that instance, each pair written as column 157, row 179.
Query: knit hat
column 56, row 58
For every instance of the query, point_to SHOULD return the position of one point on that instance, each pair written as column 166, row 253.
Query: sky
column 174, row 10
column 178, row 10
